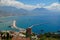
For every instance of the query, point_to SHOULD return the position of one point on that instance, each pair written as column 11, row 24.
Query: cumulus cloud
column 12, row 3
column 18, row 4
column 53, row 6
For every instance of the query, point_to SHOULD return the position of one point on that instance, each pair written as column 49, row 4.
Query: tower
column 28, row 32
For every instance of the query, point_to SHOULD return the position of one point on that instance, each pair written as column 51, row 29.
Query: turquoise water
column 48, row 23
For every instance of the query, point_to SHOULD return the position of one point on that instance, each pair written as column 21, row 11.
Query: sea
column 47, row 23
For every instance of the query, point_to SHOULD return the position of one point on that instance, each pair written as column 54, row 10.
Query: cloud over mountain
column 18, row 4
column 54, row 6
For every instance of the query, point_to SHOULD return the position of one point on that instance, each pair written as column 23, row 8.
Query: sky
column 32, row 4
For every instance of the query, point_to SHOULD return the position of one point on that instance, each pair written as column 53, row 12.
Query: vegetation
column 5, row 36
column 45, row 36
column 49, row 36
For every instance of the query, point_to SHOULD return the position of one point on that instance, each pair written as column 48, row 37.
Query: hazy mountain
column 12, row 11
column 40, row 9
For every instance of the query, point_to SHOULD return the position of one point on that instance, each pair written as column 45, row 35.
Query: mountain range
column 12, row 11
